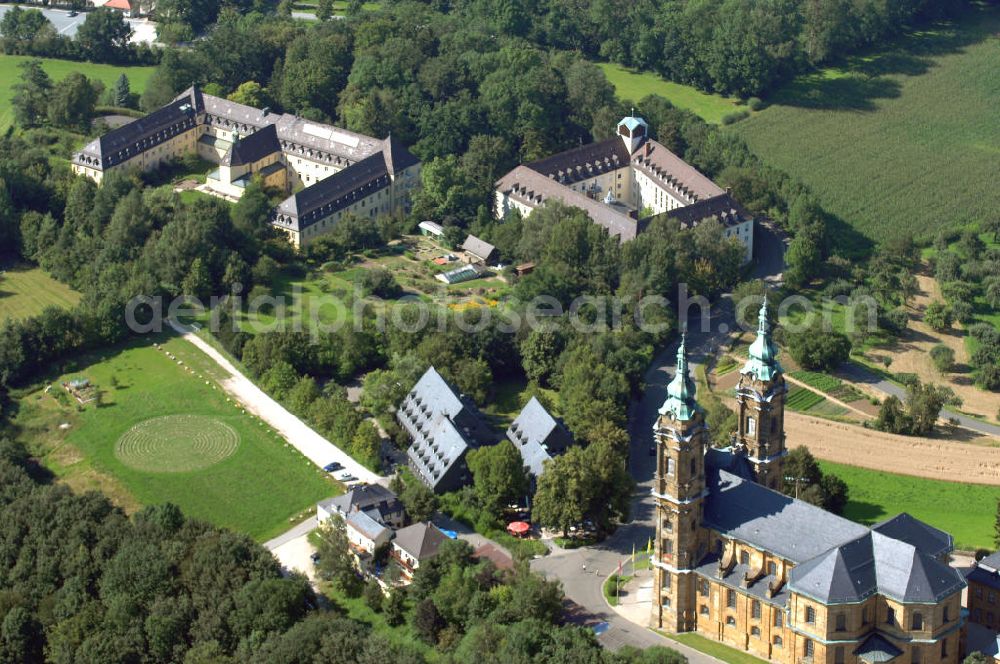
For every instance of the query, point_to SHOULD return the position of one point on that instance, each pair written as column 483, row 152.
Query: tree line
column 104, row 36
column 728, row 46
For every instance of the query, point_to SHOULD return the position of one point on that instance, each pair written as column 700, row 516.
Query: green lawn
column 633, row 86
column 899, row 141
column 717, row 650
column 26, row 291
column 10, row 73
column 257, row 490
column 967, row 511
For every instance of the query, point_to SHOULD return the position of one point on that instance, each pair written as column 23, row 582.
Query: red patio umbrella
column 518, row 528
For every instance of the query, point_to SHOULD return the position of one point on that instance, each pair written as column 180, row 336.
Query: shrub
column 962, row 311
column 380, row 282
column 755, row 104
column 938, row 316
column 736, row 116
column 373, row 596
column 943, row 358
column 895, row 321
column 988, row 377
column 838, row 287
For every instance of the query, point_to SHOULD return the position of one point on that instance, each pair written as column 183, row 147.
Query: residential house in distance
column 984, row 592
column 479, row 251
column 375, row 500
column 538, row 436
column 370, row 513
column 365, row 534
column 415, row 545
column 739, row 562
column 623, row 183
column 443, row 426
column 329, row 172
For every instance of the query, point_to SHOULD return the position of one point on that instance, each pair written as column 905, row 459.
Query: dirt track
column 945, row 459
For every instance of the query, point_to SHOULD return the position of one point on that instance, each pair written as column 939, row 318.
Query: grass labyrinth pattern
column 176, row 443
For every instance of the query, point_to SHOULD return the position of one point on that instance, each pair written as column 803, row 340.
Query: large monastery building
column 739, row 562
column 623, row 183
column 329, row 172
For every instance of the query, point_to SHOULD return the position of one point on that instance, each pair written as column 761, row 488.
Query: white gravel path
column 307, row 441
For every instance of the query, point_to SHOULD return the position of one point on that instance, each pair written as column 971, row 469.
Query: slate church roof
column 925, row 538
column 252, row 148
column 538, row 436
column 875, row 563
column 836, row 561
column 793, row 529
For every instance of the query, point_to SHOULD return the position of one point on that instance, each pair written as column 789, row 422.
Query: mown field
column 631, row 86
column 901, row 141
column 26, row 291
column 967, row 511
column 256, row 490
column 10, row 74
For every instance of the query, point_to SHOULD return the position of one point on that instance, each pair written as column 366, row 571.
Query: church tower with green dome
column 760, row 395
column 679, row 491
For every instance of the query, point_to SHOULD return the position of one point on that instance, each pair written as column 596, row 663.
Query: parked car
column 346, row 477
column 331, row 467
column 72, row 13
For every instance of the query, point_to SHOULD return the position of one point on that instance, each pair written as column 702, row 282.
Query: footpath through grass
column 25, row 291
column 260, row 489
column 633, row 86
column 967, row 511
column 10, row 74
column 904, row 140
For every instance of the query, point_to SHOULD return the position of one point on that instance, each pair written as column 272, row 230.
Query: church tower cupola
column 680, row 403
column 763, row 361
column 760, row 396
column 633, row 131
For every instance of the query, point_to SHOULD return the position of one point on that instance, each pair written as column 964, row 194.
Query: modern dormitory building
column 443, row 426
column 623, row 183
column 539, row 437
column 739, row 562
column 329, row 172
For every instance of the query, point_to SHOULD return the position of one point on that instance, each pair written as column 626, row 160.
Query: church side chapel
column 739, row 562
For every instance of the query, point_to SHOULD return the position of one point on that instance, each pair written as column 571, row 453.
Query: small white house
column 365, row 533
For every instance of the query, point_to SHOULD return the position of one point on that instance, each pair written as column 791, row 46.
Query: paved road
column 307, row 441
column 859, row 374
column 295, row 532
column 583, row 571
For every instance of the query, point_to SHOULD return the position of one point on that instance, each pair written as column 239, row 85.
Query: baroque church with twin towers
column 739, row 562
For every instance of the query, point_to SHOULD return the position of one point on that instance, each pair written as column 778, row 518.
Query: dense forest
column 82, row 582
